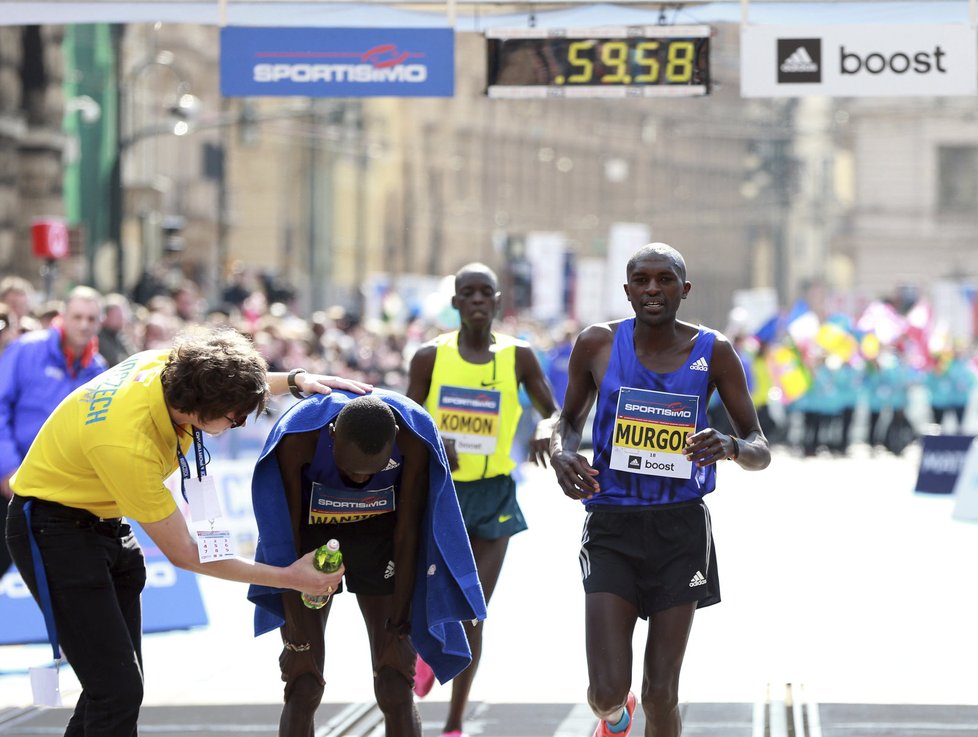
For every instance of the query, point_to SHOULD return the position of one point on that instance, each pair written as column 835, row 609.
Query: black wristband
column 401, row 629
column 736, row 453
column 292, row 385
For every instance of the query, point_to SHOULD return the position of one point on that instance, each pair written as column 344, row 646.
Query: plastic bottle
column 328, row 559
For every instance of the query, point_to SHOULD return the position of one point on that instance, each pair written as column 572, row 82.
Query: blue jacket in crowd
column 34, row 378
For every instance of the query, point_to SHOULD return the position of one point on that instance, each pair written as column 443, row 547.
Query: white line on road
column 578, row 723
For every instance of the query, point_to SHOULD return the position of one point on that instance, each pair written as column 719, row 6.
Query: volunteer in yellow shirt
column 102, row 456
column 469, row 381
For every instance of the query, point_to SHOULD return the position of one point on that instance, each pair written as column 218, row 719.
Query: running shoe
column 424, row 678
column 454, row 733
column 603, row 731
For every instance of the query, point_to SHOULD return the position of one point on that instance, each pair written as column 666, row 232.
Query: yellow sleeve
column 135, row 482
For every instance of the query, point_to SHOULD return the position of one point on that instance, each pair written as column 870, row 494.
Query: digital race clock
column 626, row 61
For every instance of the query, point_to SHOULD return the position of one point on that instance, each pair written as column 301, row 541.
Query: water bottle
column 328, row 559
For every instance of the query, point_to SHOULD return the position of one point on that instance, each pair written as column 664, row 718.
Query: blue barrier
column 171, row 600
column 941, row 460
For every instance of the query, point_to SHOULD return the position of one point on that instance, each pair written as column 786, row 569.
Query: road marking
column 777, row 711
column 580, row 721
column 760, row 717
column 350, row 717
column 15, row 715
column 812, row 719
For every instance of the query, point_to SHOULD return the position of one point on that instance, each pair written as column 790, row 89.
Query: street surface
column 840, row 587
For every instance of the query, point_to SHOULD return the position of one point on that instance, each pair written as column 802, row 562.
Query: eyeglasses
column 237, row 421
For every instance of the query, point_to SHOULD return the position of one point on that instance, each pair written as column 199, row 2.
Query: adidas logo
column 389, row 573
column 799, row 62
column 697, row 580
column 699, row 364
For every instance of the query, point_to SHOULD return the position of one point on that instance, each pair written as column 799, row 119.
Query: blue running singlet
column 641, row 424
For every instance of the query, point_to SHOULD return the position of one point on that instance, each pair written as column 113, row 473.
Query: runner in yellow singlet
column 469, row 381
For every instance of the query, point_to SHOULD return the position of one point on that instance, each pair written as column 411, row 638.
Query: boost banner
column 337, row 62
column 858, row 61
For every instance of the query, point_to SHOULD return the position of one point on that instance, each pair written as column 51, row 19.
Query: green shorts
column 489, row 507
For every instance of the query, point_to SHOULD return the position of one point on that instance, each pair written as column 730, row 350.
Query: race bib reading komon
column 651, row 429
column 470, row 417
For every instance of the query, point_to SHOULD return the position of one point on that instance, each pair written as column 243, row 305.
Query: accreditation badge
column 470, row 417
column 651, row 430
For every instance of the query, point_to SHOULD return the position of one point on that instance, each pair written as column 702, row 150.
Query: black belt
column 70, row 513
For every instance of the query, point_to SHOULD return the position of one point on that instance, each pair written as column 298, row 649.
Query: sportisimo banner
column 337, row 62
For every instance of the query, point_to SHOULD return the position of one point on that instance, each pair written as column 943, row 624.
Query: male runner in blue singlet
column 647, row 548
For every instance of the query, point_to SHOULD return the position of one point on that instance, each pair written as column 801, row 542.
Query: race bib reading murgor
column 651, row 429
column 470, row 417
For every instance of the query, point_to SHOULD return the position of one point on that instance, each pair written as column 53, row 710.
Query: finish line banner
column 337, row 62
column 858, row 61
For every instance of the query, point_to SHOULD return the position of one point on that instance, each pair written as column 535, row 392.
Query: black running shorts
column 655, row 557
column 368, row 551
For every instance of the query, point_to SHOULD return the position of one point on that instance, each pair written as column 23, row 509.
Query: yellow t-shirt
column 109, row 446
column 477, row 405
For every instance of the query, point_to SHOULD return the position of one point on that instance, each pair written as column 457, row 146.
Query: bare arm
column 293, row 452
column 574, row 474
column 412, row 500
column 174, row 540
column 750, row 448
column 278, row 383
column 419, row 373
column 530, row 374
column 419, row 385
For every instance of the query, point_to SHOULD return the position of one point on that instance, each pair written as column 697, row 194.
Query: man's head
column 656, row 282
column 117, row 312
column 82, row 317
column 17, row 293
column 476, row 294
column 363, row 438
column 215, row 374
column 658, row 251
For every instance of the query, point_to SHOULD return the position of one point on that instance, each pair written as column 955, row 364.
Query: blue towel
column 447, row 589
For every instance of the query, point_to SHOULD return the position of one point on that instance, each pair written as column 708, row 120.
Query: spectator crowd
column 820, row 384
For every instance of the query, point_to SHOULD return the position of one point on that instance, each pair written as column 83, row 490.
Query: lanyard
column 200, row 456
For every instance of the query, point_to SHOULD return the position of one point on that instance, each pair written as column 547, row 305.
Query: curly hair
column 368, row 422
column 212, row 372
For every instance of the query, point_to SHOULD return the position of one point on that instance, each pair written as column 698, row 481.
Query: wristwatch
column 292, row 385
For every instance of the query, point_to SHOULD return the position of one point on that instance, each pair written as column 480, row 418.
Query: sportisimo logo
column 799, row 60
column 652, row 409
column 379, row 64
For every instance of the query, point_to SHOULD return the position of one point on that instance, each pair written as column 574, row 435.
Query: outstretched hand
column 306, row 579
column 323, row 384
